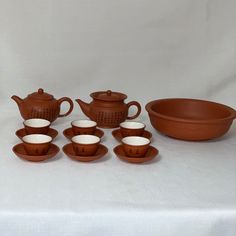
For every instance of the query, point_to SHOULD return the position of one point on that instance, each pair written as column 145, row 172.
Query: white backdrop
column 170, row 46
column 148, row 49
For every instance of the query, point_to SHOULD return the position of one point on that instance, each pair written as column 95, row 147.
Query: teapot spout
column 84, row 107
column 17, row 100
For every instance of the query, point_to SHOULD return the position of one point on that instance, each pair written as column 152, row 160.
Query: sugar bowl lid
column 40, row 95
column 108, row 96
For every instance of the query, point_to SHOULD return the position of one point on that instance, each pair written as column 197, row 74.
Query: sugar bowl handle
column 66, row 99
column 134, row 103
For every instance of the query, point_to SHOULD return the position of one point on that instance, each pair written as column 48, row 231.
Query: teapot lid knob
column 40, row 95
column 40, row 91
column 108, row 92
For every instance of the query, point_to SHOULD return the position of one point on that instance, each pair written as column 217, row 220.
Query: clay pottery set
column 181, row 118
column 190, row 119
column 82, row 127
column 42, row 105
column 108, row 108
column 85, row 148
column 131, row 128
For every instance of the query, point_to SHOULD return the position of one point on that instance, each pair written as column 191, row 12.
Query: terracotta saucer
column 118, row 136
column 151, row 153
column 20, row 152
column 68, row 133
column 69, row 151
column 21, row 133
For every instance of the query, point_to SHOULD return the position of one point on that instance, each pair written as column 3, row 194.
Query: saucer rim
column 70, row 128
column 118, row 131
column 142, row 159
column 44, row 157
column 74, row 156
column 53, row 137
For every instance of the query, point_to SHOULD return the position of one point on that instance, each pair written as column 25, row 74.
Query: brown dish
column 22, row 132
column 190, row 119
column 108, row 108
column 151, row 154
column 118, row 136
column 19, row 150
column 69, row 151
column 68, row 133
column 42, row 105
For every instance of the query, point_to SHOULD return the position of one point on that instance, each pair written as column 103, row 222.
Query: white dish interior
column 37, row 138
column 135, row 141
column 84, row 123
column 85, row 139
column 132, row 125
column 37, row 123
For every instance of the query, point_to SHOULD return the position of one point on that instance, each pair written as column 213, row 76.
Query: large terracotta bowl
column 190, row 119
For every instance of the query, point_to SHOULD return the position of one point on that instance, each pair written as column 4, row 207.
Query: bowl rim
column 27, row 122
column 149, row 105
column 82, row 126
column 124, row 142
column 74, row 138
column 143, row 126
column 49, row 139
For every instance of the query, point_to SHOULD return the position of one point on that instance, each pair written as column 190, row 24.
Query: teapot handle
column 234, row 114
column 134, row 103
column 66, row 99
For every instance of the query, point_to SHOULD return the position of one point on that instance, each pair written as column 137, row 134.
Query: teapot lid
column 108, row 96
column 40, row 95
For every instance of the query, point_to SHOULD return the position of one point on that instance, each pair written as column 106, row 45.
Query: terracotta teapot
column 108, row 108
column 42, row 105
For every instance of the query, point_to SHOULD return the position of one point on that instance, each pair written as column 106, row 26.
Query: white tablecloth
column 149, row 50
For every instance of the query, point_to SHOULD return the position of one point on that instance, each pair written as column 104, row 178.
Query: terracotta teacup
column 85, row 145
column 135, row 146
column 36, row 126
column 36, row 144
column 132, row 128
column 83, row 127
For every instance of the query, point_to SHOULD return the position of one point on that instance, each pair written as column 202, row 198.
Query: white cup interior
column 135, row 140
column 37, row 138
column 37, row 123
column 132, row 125
column 86, row 139
column 84, row 123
